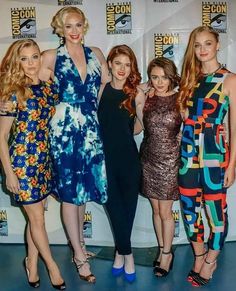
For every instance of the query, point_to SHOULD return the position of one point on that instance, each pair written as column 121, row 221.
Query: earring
column 61, row 40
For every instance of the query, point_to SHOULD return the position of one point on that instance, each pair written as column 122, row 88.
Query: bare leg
column 157, row 224
column 168, row 227
column 199, row 249
column 32, row 262
column 70, row 218
column 209, row 264
column 39, row 238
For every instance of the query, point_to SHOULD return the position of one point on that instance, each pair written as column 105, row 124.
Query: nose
column 122, row 67
column 30, row 61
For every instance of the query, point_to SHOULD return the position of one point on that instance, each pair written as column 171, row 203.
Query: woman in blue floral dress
column 26, row 161
column 77, row 148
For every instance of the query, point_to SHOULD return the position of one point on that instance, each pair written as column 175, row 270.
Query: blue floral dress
column 76, row 145
column 29, row 147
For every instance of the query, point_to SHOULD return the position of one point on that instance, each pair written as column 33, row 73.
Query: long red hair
column 134, row 78
column 191, row 68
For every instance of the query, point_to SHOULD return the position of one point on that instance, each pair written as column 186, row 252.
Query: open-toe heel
column 35, row 284
column 199, row 280
column 192, row 274
column 161, row 271
column 89, row 278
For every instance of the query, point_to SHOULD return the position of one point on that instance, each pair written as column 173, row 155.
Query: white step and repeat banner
column 151, row 28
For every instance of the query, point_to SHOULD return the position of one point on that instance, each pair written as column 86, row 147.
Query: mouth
column 74, row 36
column 121, row 74
column 203, row 55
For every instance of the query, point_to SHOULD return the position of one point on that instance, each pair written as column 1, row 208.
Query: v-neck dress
column 76, row 146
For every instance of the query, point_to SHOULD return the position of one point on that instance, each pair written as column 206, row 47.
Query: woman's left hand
column 229, row 176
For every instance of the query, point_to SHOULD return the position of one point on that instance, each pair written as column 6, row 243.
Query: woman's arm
column 12, row 182
column 139, row 104
column 48, row 60
column 230, row 90
column 105, row 76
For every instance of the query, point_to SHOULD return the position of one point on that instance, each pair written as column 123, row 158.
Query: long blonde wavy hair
column 191, row 68
column 59, row 18
column 12, row 77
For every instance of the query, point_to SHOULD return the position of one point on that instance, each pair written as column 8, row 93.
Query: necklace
column 211, row 73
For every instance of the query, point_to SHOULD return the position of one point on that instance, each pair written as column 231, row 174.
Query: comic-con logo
column 215, row 15
column 175, row 214
column 165, row 1
column 23, row 22
column 88, row 225
column 3, row 223
column 69, row 2
column 166, row 45
column 119, row 19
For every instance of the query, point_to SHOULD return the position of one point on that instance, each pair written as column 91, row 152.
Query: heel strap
column 80, row 263
column 167, row 253
column 201, row 255
column 160, row 247
column 210, row 263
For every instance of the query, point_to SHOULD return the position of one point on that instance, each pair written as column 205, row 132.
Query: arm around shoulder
column 105, row 76
column 48, row 60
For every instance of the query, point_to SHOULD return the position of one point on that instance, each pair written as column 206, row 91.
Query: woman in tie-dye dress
column 77, row 149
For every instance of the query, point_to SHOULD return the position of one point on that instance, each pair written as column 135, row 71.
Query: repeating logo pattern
column 119, row 18
column 23, row 22
column 215, row 15
column 69, row 2
column 166, row 45
column 88, row 233
column 3, row 223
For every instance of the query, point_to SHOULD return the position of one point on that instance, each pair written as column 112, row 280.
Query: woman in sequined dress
column 160, row 156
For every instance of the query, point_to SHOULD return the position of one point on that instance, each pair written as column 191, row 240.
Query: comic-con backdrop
column 151, row 28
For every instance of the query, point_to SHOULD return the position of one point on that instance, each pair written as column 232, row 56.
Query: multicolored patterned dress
column 77, row 149
column 29, row 147
column 204, row 159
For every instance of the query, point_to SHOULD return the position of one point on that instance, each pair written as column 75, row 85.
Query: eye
column 79, row 24
column 35, row 57
column 123, row 21
column 23, row 59
column 196, row 45
column 27, row 26
column 168, row 51
column 218, row 21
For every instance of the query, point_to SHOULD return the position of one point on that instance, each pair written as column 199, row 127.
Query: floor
column 13, row 277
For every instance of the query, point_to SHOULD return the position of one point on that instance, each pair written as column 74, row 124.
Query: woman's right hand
column 12, row 183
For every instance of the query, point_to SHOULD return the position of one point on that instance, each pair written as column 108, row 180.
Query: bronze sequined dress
column 160, row 148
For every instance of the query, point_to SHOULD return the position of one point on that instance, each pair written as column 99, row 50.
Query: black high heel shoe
column 61, row 286
column 35, row 284
column 199, row 281
column 192, row 274
column 161, row 271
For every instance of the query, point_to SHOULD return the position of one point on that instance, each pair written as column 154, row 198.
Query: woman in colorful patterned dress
column 76, row 145
column 207, row 92
column 26, row 161
column 160, row 156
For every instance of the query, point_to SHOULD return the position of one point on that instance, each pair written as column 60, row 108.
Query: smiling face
column 120, row 68
column 205, row 46
column 73, row 27
column 30, row 61
column 159, row 80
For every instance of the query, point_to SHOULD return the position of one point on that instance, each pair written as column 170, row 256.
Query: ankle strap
column 201, row 255
column 167, row 253
column 210, row 263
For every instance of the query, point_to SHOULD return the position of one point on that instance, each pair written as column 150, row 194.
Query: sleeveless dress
column 29, row 146
column 159, row 149
column 204, row 160
column 76, row 146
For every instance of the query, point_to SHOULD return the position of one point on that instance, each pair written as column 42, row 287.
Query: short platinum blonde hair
column 58, row 19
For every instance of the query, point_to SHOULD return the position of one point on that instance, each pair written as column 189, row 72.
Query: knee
column 37, row 221
column 166, row 214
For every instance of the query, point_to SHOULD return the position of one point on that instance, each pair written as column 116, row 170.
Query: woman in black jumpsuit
column 117, row 112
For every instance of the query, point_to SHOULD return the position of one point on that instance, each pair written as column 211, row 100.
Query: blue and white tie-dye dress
column 76, row 146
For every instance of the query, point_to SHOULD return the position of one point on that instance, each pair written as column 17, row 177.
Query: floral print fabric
column 76, row 145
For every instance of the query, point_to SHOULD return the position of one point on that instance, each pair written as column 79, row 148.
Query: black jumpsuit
column 122, row 165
